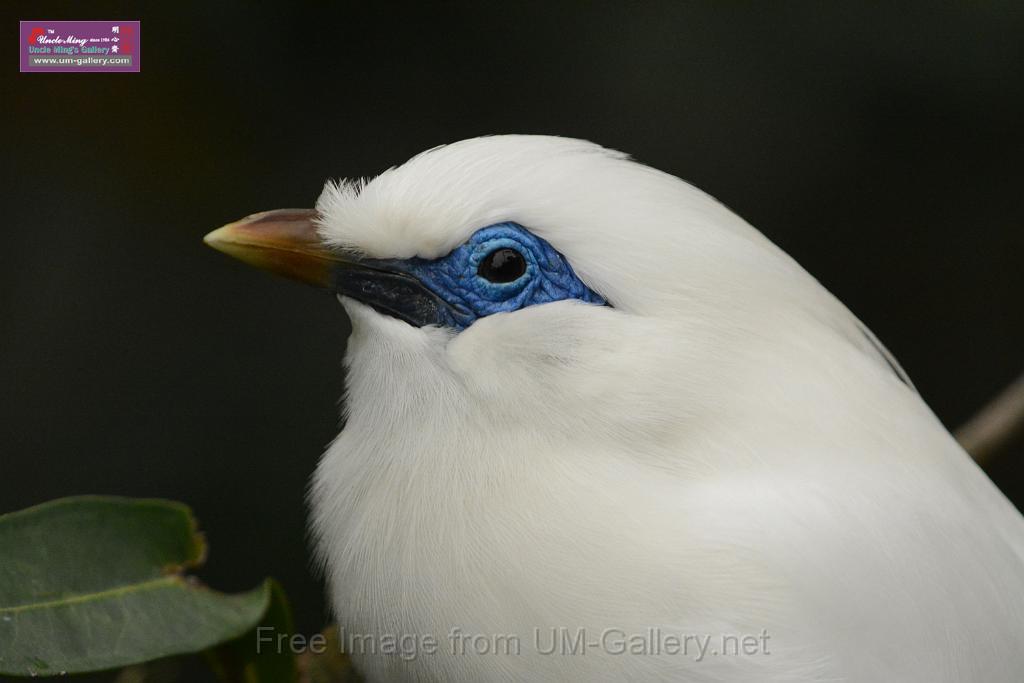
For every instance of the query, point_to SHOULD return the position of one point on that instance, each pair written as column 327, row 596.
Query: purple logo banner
column 80, row 46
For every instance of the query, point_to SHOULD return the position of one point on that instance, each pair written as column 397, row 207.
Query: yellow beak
column 284, row 241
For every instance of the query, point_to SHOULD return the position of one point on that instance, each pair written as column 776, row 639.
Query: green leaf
column 94, row 583
column 257, row 656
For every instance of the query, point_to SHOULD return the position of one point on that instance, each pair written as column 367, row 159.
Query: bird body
column 720, row 454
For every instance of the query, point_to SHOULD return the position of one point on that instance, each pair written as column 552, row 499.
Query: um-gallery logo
column 80, row 46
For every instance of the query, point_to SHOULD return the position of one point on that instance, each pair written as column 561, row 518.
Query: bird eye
column 502, row 265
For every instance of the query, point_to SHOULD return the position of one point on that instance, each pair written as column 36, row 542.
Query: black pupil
column 502, row 265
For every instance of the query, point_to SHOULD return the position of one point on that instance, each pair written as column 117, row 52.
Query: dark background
column 880, row 144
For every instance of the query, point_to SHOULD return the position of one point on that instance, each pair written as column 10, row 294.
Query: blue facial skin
column 464, row 296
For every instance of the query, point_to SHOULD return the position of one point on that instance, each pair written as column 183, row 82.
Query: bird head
column 534, row 274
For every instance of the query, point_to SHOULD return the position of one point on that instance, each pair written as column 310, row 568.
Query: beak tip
column 216, row 238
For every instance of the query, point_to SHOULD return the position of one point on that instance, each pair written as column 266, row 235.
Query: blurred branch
column 996, row 426
column 328, row 664
column 159, row 671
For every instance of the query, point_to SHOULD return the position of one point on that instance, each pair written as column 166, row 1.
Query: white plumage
column 724, row 451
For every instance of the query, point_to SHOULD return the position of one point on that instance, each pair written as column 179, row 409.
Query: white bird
column 600, row 428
